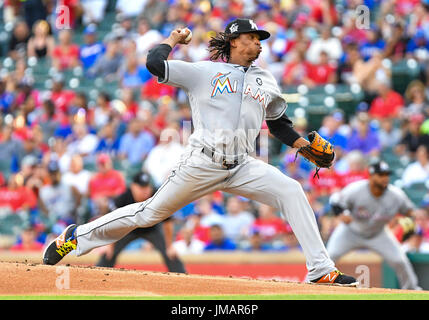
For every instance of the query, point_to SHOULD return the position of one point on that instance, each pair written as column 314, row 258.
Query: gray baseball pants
column 384, row 243
column 197, row 175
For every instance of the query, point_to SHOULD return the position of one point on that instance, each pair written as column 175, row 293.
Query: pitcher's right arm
column 173, row 72
column 157, row 55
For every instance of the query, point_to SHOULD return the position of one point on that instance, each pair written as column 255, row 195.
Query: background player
column 365, row 208
column 160, row 235
column 229, row 102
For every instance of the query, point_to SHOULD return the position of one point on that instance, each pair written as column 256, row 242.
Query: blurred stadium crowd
column 81, row 114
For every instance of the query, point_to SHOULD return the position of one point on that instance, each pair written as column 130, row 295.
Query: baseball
column 189, row 37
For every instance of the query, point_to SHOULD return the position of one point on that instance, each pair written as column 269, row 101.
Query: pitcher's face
column 247, row 45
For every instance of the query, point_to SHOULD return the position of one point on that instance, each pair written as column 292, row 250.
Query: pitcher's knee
column 292, row 189
column 148, row 217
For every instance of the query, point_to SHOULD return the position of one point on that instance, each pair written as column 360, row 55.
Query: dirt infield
column 36, row 279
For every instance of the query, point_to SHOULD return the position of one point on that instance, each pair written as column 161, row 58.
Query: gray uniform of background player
column 368, row 227
column 225, row 111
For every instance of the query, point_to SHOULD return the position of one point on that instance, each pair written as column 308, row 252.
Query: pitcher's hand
column 177, row 36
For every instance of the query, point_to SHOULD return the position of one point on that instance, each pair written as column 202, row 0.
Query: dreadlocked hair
column 219, row 46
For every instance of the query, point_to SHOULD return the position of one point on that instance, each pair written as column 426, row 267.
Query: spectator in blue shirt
column 92, row 49
column 374, row 43
column 256, row 242
column 136, row 143
column 134, row 74
column 418, row 46
column 218, row 241
column 330, row 130
column 109, row 142
column 6, row 98
column 363, row 138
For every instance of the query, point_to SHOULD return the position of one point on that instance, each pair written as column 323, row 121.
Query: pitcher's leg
column 185, row 184
column 264, row 183
column 107, row 229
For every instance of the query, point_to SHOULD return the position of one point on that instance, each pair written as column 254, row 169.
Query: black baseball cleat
column 61, row 246
column 336, row 278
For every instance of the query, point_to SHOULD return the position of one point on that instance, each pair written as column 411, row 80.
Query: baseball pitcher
column 365, row 208
column 229, row 101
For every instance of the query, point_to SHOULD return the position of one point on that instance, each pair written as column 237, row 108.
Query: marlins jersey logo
column 262, row 97
column 221, row 83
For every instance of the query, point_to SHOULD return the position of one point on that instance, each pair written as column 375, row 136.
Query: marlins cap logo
column 253, row 25
column 233, row 28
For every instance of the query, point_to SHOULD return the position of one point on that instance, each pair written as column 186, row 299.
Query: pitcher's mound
column 36, row 279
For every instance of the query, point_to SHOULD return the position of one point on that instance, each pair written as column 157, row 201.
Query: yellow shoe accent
column 66, row 248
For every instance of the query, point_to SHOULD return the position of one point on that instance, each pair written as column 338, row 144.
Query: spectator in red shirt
column 268, row 224
column 199, row 231
column 28, row 240
column 324, row 14
column 2, row 180
column 201, row 219
column 107, row 182
column 65, row 54
column 128, row 98
column 322, row 72
column 16, row 196
column 62, row 98
column 387, row 104
column 161, row 119
column 356, row 168
column 236, row 7
column 153, row 90
column 351, row 31
column 329, row 181
column 406, row 7
column 300, row 37
column 296, row 69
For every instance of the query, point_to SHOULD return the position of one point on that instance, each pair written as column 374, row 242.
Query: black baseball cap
column 239, row 26
column 379, row 167
column 142, row 179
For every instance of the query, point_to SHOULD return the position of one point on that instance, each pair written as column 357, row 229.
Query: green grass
column 375, row 296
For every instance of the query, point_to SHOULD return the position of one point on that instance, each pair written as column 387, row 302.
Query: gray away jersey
column 371, row 214
column 228, row 104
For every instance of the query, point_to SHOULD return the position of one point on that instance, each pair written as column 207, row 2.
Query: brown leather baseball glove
column 319, row 152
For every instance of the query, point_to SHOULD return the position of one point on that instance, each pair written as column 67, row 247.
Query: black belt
column 210, row 153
